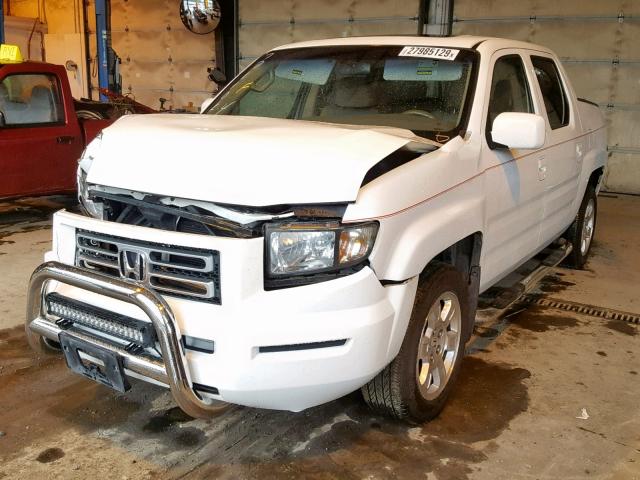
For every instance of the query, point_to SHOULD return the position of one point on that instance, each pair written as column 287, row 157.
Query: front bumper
column 172, row 372
column 262, row 338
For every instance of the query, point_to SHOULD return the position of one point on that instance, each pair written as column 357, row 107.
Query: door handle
column 65, row 139
column 579, row 152
column 542, row 169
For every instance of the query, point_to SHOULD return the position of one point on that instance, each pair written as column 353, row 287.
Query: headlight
column 84, row 165
column 299, row 249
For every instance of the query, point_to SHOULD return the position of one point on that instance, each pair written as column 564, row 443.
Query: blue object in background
column 1, row 23
column 102, row 12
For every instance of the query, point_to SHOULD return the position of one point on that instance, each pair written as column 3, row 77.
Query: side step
column 497, row 299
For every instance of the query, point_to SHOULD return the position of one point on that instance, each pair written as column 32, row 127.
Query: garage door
column 598, row 43
column 160, row 57
column 264, row 25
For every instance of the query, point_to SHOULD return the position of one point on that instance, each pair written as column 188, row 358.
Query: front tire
column 582, row 230
column 417, row 383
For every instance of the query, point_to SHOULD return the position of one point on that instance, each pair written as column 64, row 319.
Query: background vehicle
column 43, row 129
column 327, row 224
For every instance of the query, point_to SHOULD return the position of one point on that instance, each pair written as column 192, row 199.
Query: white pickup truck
column 326, row 224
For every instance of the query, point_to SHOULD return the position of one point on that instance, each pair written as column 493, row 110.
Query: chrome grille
column 177, row 271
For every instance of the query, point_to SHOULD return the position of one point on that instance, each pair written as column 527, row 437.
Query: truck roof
column 26, row 62
column 32, row 66
column 460, row 41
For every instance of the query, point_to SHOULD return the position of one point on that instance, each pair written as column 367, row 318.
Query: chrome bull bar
column 172, row 371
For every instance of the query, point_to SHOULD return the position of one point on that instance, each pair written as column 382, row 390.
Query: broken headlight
column 308, row 248
column 91, row 208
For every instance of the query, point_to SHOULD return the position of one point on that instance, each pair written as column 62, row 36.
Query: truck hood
column 250, row 161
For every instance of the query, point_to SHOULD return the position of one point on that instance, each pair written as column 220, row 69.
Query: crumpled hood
column 249, row 161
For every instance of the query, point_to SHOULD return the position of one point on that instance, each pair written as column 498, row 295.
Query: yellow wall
column 22, row 8
column 61, row 16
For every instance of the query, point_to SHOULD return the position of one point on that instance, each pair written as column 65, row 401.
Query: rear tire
column 582, row 230
column 416, row 384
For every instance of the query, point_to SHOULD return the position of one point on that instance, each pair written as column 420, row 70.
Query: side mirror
column 519, row 130
column 217, row 75
column 206, row 104
column 3, row 121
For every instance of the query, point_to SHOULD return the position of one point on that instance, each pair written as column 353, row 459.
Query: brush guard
column 172, row 370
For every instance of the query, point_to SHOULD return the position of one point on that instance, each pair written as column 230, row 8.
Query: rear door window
column 31, row 99
column 555, row 98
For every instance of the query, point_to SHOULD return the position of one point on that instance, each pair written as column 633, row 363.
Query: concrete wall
column 599, row 44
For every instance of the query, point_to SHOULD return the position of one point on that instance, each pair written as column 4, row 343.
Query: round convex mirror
column 200, row 16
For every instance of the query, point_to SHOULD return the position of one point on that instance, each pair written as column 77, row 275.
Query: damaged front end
column 303, row 243
column 193, row 216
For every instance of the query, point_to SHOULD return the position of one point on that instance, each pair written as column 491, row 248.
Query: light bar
column 126, row 328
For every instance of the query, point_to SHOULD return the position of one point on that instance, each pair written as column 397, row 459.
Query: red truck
column 42, row 132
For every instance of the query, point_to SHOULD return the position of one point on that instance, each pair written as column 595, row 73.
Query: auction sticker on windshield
column 429, row 52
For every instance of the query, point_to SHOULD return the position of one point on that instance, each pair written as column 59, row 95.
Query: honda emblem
column 132, row 264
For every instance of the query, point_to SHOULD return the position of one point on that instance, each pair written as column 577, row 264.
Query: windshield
column 378, row 86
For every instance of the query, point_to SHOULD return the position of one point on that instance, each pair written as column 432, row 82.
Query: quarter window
column 31, row 99
column 553, row 93
column 509, row 89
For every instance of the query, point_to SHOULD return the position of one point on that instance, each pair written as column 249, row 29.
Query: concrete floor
column 513, row 414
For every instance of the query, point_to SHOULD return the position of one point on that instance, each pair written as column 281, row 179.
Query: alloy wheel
column 439, row 345
column 588, row 224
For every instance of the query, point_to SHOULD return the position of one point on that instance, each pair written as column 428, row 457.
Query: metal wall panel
column 470, row 9
column 599, row 44
column 623, row 172
column 264, row 25
column 160, row 57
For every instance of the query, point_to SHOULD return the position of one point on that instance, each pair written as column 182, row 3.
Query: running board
column 512, row 294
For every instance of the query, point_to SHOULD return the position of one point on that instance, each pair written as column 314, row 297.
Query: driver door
column 514, row 203
column 37, row 143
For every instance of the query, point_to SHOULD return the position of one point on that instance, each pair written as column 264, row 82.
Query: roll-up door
column 160, row 57
column 598, row 43
column 264, row 25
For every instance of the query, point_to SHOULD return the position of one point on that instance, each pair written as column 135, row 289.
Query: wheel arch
column 464, row 256
column 408, row 241
column 596, row 177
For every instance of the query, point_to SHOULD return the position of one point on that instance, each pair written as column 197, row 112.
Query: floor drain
column 584, row 309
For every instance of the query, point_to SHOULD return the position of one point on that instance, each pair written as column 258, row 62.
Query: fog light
column 198, row 344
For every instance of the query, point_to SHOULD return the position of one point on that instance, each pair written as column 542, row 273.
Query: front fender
column 409, row 240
